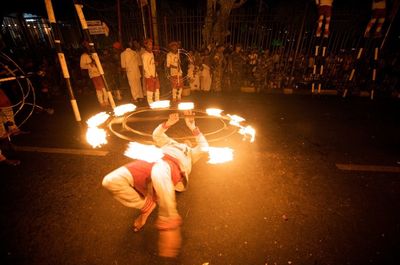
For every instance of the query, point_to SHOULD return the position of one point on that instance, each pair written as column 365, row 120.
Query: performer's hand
column 173, row 118
column 189, row 119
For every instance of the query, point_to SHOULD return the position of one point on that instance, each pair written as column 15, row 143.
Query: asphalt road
column 282, row 200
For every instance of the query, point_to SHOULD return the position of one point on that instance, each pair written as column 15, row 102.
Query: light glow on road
column 235, row 120
column 145, row 152
column 122, row 109
column 160, row 104
column 97, row 119
column 96, row 137
column 248, row 131
column 219, row 155
column 186, row 106
column 214, row 112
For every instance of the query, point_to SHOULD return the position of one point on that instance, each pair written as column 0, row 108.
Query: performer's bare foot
column 141, row 220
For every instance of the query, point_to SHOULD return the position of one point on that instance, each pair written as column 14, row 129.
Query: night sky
column 66, row 9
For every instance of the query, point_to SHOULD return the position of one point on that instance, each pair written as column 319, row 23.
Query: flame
column 148, row 153
column 96, row 137
column 97, row 119
column 214, row 112
column 235, row 120
column 122, row 109
column 219, row 155
column 160, row 104
column 248, row 131
column 186, row 106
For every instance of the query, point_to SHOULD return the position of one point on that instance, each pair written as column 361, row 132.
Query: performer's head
column 117, row 45
column 85, row 45
column 173, row 46
column 148, row 44
column 238, row 47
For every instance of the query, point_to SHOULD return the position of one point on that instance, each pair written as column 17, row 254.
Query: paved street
column 320, row 185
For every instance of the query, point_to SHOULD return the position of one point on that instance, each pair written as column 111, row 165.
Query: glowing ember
column 214, row 112
column 148, row 153
column 96, row 137
column 160, row 104
column 219, row 155
column 235, row 120
column 186, row 106
column 122, row 109
column 248, row 131
column 97, row 119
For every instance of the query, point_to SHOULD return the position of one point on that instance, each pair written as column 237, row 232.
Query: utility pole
column 154, row 21
column 61, row 57
column 119, row 21
column 299, row 40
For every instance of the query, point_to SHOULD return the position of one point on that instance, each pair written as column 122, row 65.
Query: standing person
column 175, row 71
column 193, row 71
column 205, row 75
column 151, row 81
column 7, row 120
column 378, row 18
column 324, row 12
column 7, row 117
column 219, row 64
column 139, row 49
column 116, row 57
column 129, row 184
column 87, row 63
column 131, row 63
column 237, row 62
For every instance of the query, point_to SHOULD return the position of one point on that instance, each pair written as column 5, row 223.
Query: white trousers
column 150, row 95
column 165, row 190
column 135, row 85
column 120, row 183
column 205, row 80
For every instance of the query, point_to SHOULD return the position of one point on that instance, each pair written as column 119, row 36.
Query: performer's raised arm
column 202, row 144
column 159, row 136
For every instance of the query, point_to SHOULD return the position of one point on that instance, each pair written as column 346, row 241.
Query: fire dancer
column 140, row 184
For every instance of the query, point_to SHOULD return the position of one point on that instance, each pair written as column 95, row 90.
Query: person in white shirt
column 87, row 63
column 130, row 63
column 175, row 71
column 151, row 81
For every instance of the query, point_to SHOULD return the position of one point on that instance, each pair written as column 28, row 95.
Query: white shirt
column 130, row 60
column 87, row 63
column 324, row 2
column 149, row 66
column 173, row 59
column 378, row 5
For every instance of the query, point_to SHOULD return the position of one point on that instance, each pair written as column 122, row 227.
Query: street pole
column 154, row 20
column 299, row 40
column 119, row 21
column 61, row 58
column 395, row 9
column 143, row 20
column 92, row 50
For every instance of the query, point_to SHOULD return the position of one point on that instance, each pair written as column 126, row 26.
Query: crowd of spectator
column 217, row 68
